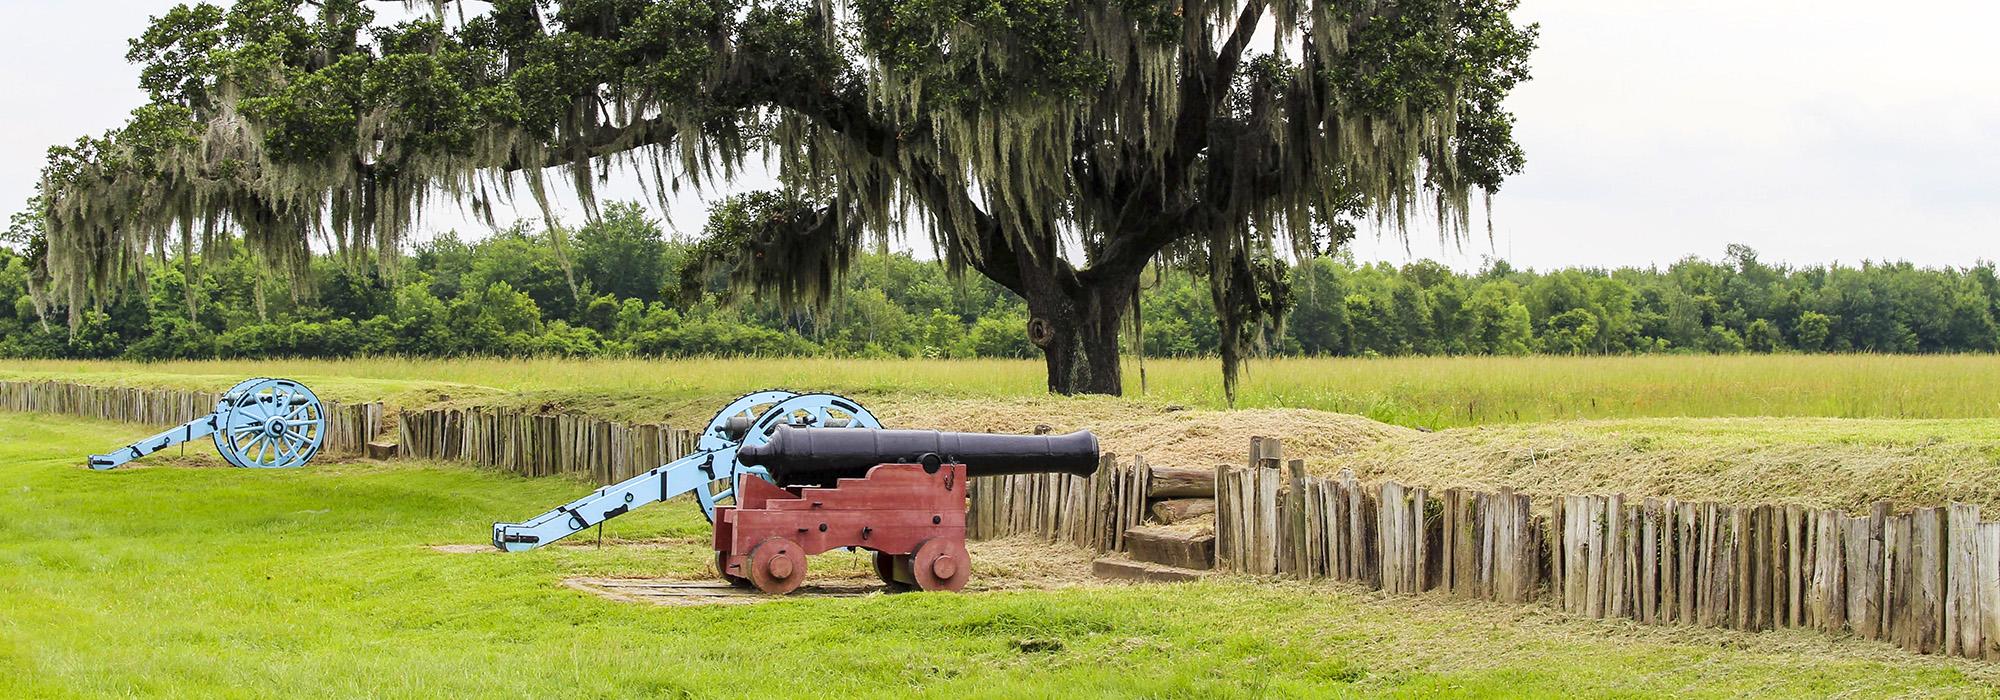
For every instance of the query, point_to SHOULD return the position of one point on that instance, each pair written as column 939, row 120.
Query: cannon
column 804, row 474
column 261, row 423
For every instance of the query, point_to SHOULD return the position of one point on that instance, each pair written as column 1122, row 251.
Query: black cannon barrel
column 806, row 455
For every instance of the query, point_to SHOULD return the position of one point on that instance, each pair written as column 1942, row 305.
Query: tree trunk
column 1076, row 326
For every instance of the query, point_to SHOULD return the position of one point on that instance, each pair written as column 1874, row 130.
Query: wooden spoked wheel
column 777, row 566
column 941, row 565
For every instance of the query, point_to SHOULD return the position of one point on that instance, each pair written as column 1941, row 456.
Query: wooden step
column 1171, row 547
column 1121, row 569
column 1174, row 510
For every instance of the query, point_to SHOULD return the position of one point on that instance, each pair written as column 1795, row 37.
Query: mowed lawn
column 182, row 578
column 1426, row 392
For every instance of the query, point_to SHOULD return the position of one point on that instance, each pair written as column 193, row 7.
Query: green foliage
column 1570, row 332
column 507, row 295
column 528, row 263
column 999, row 336
column 623, row 254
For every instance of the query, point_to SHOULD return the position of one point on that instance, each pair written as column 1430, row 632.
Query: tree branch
column 1231, row 53
column 599, row 142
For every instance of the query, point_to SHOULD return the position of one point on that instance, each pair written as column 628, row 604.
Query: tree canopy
column 1056, row 148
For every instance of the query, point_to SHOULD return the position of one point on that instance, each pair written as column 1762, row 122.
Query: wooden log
column 1876, row 574
column 1180, row 482
column 1689, row 549
column 1174, row 510
column 381, row 450
column 1390, row 535
column 1794, row 561
column 1741, row 598
column 1963, row 630
column 1777, row 606
column 1649, row 561
column 1989, row 590
column 1171, row 547
column 1226, row 513
column 1127, row 570
column 1760, row 568
column 1596, row 547
column 1898, row 616
column 1367, row 537
column 1298, row 555
column 1268, row 519
column 1142, row 491
column 1332, row 525
column 1721, row 551
column 1927, row 561
column 1615, row 603
column 1829, row 581
column 1667, row 610
column 1420, row 539
column 1558, row 554
column 1308, row 548
column 1339, row 543
column 1862, row 614
column 1582, row 515
column 1490, row 537
column 1519, row 551
column 1453, row 571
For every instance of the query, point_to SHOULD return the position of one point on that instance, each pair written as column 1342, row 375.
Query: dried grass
column 1166, row 435
column 1817, row 462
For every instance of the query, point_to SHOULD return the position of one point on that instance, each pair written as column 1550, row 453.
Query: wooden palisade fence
column 1927, row 580
column 348, row 427
column 532, row 444
column 1092, row 512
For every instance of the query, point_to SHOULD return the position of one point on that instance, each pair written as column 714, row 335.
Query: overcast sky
column 1813, row 131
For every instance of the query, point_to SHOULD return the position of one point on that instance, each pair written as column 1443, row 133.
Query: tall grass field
column 1417, row 392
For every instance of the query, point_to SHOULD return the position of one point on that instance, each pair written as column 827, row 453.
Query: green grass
column 1419, row 392
column 182, row 579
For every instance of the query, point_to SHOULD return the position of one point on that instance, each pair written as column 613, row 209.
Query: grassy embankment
column 1417, row 392
column 1931, row 431
column 173, row 579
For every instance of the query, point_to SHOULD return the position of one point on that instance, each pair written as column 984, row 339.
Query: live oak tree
column 1058, row 148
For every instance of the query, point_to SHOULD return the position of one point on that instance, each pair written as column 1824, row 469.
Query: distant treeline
column 614, row 288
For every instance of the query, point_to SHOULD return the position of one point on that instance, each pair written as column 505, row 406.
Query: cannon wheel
column 751, row 419
column 941, row 564
column 270, row 424
column 885, row 567
column 777, row 566
column 722, row 569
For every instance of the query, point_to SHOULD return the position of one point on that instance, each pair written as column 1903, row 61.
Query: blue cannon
column 710, row 472
column 260, row 423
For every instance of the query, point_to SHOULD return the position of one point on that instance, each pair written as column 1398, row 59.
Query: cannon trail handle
column 691, row 474
column 186, row 432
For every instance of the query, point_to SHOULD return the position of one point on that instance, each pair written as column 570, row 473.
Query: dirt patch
column 464, row 548
column 1011, row 564
column 1165, row 435
column 674, row 592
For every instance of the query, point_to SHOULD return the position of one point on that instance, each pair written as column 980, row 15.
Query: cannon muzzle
column 820, row 455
